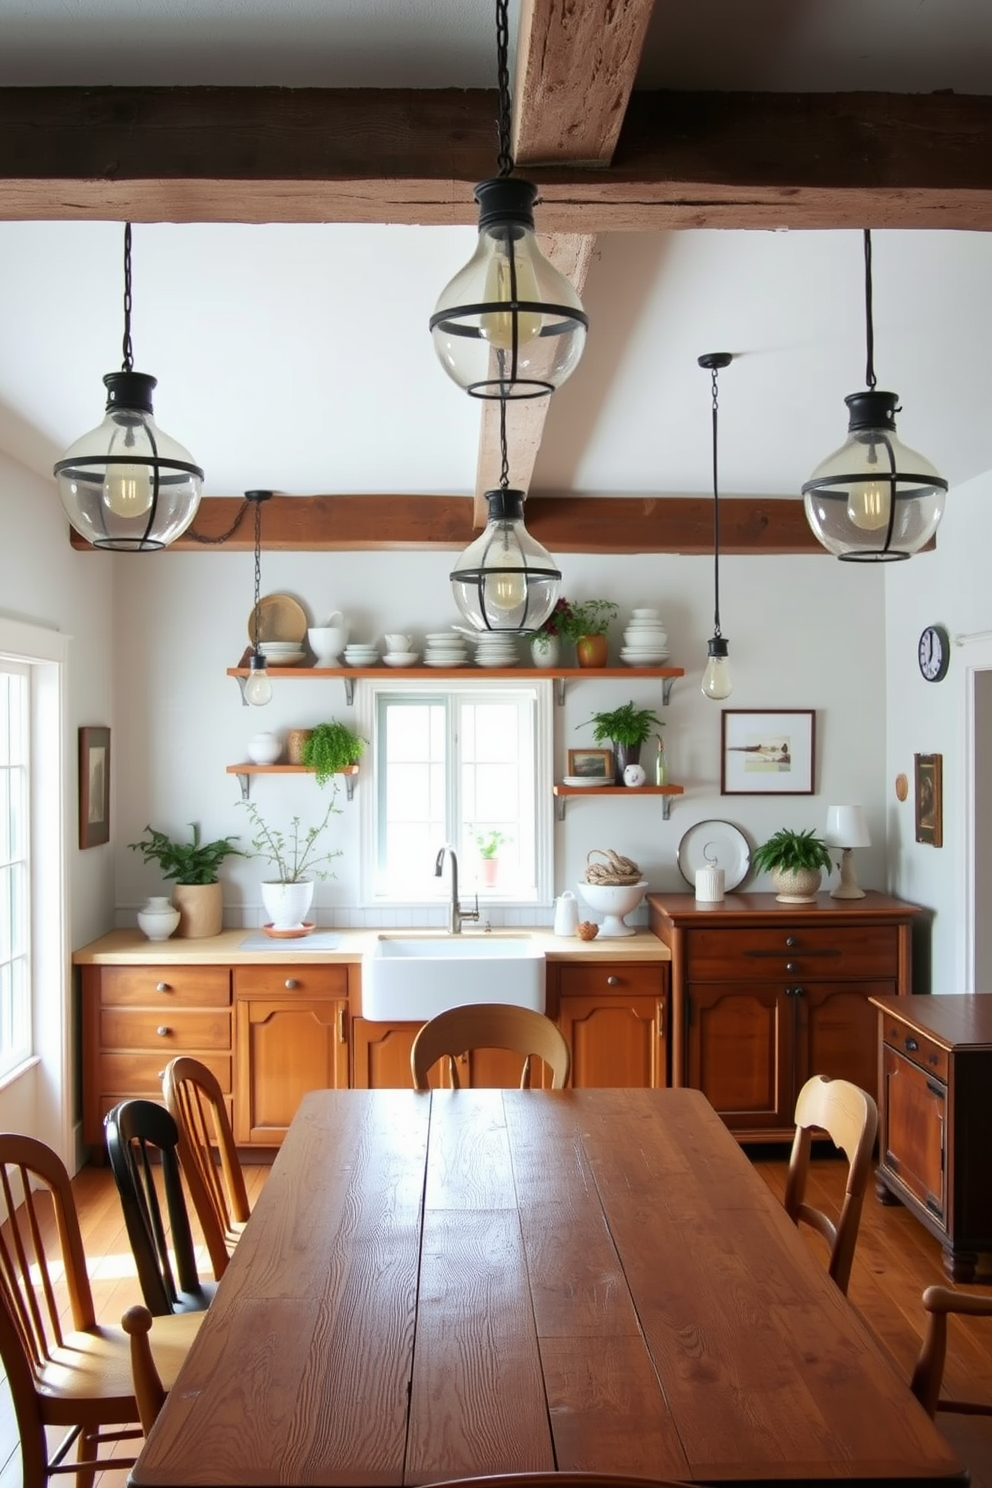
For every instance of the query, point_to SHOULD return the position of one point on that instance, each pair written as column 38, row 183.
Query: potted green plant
column 587, row 624
column 489, row 844
column 297, row 860
column 330, row 748
column 795, row 861
column 626, row 728
column 194, row 866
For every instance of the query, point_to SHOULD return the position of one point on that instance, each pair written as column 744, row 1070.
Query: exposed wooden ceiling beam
column 587, row 524
column 684, row 160
column 576, row 66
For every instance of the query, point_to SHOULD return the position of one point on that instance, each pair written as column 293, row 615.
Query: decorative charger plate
column 280, row 618
column 715, row 844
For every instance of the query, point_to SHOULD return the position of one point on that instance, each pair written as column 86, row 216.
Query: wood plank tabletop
column 459, row 1282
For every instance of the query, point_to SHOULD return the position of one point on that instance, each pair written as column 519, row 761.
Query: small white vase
column 158, row 918
column 287, row 903
column 264, row 748
column 545, row 650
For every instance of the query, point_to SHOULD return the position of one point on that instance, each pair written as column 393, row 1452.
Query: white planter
column 158, row 918
column 545, row 650
column 287, row 904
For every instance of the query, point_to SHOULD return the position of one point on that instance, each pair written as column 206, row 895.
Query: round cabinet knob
column 613, row 981
column 163, row 1031
column 162, row 987
column 791, row 966
column 291, row 984
column 790, row 941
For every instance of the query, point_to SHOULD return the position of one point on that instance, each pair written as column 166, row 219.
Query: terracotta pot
column 592, row 650
column 489, row 871
column 295, row 740
column 201, row 909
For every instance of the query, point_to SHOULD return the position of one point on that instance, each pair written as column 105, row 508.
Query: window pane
column 14, row 866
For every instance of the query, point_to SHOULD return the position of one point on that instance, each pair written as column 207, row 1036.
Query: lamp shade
column 846, row 827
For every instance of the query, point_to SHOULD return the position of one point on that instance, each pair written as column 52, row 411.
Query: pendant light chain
column 504, row 158
column 716, row 513
column 870, row 379
column 128, row 365
column 258, row 572
column 504, row 459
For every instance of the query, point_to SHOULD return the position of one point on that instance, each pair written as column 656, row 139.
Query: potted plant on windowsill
column 194, row 865
column 795, row 861
column 489, row 844
column 331, row 748
column 587, row 625
column 626, row 729
column 297, row 861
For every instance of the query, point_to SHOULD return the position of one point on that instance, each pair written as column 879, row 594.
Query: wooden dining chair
column 940, row 1302
column 208, row 1156
column 149, row 1391
column 489, row 1025
column 849, row 1116
column 65, row 1370
column 142, row 1140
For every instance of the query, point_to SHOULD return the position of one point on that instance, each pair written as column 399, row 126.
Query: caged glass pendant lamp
column 716, row 682
column 873, row 500
column 508, row 325
column 127, row 485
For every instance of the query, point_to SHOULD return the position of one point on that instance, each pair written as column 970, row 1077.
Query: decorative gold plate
column 280, row 618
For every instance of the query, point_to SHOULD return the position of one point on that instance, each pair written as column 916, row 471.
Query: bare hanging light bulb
column 716, row 677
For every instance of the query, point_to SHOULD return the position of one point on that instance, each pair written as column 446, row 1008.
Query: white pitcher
column 566, row 914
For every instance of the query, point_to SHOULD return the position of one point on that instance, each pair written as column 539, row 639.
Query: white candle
column 709, row 885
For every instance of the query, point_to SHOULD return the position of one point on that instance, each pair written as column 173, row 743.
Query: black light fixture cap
column 258, row 495
column 130, row 390
column 506, row 199
column 256, row 662
column 714, row 360
column 872, row 410
column 718, row 646
column 505, row 505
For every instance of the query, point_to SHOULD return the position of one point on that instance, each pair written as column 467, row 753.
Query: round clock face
column 934, row 653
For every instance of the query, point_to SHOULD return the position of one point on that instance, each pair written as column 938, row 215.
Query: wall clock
column 934, row 653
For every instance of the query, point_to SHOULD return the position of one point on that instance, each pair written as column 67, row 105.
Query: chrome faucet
column 455, row 912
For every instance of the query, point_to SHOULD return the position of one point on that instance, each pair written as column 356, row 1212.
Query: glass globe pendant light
column 716, row 682
column 127, row 485
column 873, row 500
column 508, row 325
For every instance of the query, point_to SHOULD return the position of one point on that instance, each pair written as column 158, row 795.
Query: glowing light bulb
column 869, row 505
column 510, row 256
column 507, row 590
column 717, row 682
column 127, row 490
column 258, row 688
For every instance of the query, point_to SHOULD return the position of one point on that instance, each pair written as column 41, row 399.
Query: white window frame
column 367, row 694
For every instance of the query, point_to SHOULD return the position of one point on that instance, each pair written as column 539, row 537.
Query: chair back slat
column 217, row 1188
column 489, row 1025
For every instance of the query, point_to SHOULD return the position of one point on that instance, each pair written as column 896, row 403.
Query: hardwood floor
column 895, row 1260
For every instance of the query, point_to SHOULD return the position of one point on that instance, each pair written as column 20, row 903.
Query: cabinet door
column 912, row 1140
column 739, row 1052
column 285, row 1047
column 619, row 1040
column 837, row 1031
column 380, row 1054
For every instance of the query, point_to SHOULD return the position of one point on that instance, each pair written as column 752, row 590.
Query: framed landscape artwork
column 94, row 786
column 767, row 752
column 592, row 764
column 929, row 798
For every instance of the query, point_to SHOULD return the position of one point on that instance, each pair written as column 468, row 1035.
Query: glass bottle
column 661, row 764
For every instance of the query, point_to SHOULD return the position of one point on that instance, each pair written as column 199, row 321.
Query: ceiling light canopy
column 127, row 485
column 874, row 499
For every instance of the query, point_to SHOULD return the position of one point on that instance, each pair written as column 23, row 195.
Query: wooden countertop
column 132, row 948
column 738, row 909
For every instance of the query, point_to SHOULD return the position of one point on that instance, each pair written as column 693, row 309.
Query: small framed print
column 766, row 752
column 591, row 764
column 94, row 786
column 929, row 799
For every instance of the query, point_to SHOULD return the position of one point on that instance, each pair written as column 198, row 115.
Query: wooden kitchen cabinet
column 291, row 1036
column 766, row 994
column 613, row 1017
column 935, row 1084
column 137, row 1018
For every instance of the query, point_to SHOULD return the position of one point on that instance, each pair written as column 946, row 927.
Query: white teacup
column 398, row 642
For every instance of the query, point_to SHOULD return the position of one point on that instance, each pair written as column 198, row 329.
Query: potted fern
column 795, row 861
column 194, row 866
column 626, row 728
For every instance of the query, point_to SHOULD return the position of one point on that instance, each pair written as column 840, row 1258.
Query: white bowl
column 401, row 658
column 614, row 901
column 327, row 642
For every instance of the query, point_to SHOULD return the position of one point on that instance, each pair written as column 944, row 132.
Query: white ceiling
column 298, row 357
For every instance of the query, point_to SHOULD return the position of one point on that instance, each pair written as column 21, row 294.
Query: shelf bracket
column 244, row 781
column 560, row 691
column 349, row 786
column 666, row 691
column 560, row 804
column 241, row 681
column 666, row 807
column 349, row 697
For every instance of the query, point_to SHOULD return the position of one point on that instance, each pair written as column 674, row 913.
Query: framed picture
column 767, row 753
column 929, row 799
column 94, row 786
column 593, row 764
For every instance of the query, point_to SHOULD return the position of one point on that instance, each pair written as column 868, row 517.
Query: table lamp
column 847, row 829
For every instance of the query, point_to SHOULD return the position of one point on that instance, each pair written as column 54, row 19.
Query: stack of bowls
column 445, row 648
column 361, row 654
column 495, row 648
column 644, row 641
column 282, row 653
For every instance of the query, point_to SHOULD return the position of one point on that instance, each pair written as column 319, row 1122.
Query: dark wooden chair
column 208, row 1156
column 142, row 1140
column 849, row 1116
column 65, row 1370
column 490, row 1025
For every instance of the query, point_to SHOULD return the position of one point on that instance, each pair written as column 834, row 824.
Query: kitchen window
column 456, row 762
column 15, row 865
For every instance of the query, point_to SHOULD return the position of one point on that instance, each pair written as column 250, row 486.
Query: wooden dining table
column 478, row 1281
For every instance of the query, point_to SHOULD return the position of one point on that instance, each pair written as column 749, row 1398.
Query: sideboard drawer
column 291, row 980
column 142, row 986
column 914, row 1045
column 184, row 1031
column 864, row 951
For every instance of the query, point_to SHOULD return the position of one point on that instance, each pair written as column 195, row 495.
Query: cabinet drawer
column 185, row 986
column 613, row 978
column 126, row 1028
column 916, row 1047
column 123, row 1075
column 273, row 981
column 869, row 951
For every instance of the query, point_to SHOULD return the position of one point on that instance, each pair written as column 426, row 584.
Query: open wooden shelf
column 248, row 769
column 559, row 675
column 563, row 791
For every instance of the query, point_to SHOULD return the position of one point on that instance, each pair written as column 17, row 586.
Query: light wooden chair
column 208, row 1156
column 849, row 1116
column 149, row 1391
column 928, row 1375
column 489, row 1025
column 64, row 1368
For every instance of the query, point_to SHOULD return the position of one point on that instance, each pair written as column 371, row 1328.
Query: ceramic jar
column 157, row 918
column 545, row 650
column 264, row 749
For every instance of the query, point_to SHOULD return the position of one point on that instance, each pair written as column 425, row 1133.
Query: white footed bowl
column 614, row 901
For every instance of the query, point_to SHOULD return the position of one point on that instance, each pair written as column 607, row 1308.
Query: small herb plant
column 628, row 725
column 790, row 851
column 192, row 862
column 489, row 843
column 592, row 617
column 330, row 748
column 294, row 854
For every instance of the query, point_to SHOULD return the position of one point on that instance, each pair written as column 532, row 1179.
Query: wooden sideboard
column 765, row 994
column 935, row 1084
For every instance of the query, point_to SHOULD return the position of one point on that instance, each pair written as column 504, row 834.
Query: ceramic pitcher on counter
column 566, row 914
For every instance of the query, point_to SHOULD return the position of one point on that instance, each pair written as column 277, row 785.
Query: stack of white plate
column 445, row 648
column 644, row 641
column 494, row 648
column 361, row 654
column 282, row 653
